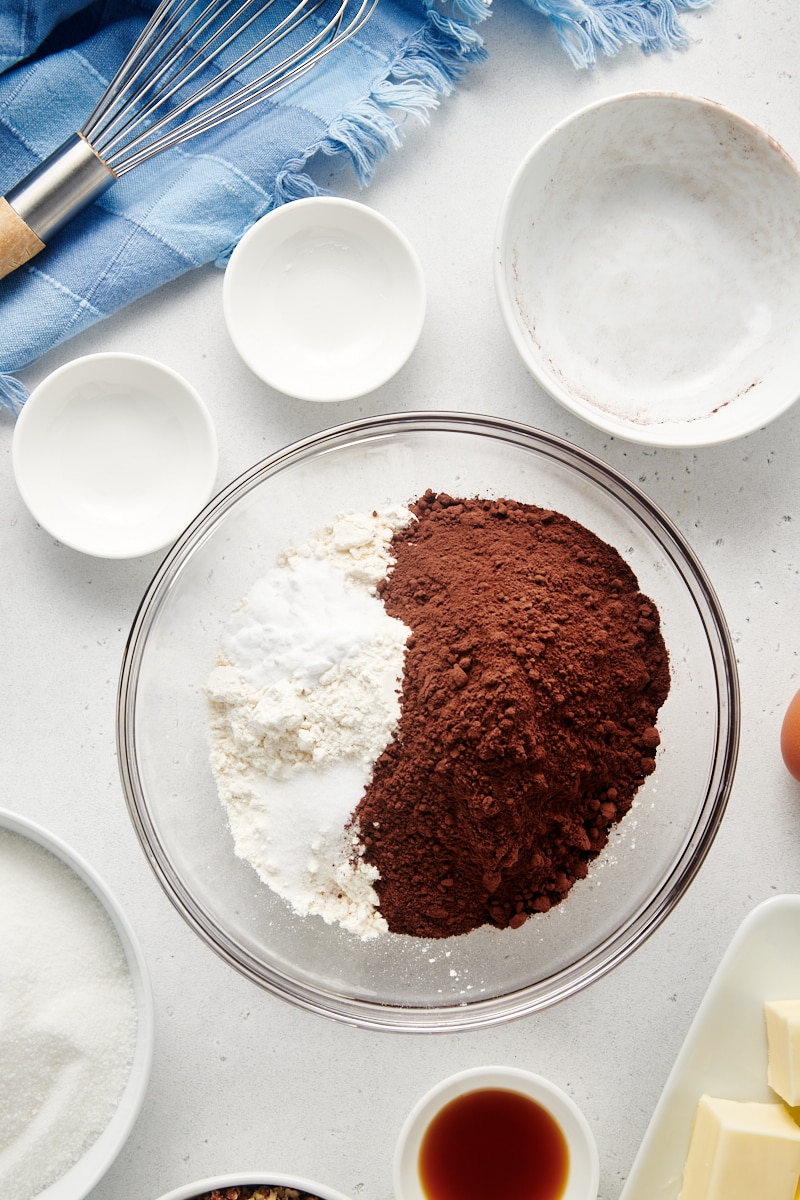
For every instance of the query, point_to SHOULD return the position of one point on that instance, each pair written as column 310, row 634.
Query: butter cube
column 741, row 1151
column 783, row 1040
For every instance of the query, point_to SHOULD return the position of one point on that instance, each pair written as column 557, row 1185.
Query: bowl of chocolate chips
column 252, row 1185
column 428, row 721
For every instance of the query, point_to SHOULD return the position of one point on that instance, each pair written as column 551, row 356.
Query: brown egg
column 790, row 737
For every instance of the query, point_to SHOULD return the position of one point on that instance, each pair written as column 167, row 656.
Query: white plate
column 725, row 1051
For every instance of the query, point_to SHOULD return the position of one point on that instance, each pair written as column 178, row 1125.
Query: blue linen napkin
column 190, row 205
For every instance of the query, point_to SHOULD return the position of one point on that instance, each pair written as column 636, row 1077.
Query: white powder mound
column 68, row 1019
column 292, row 832
column 305, row 697
column 357, row 544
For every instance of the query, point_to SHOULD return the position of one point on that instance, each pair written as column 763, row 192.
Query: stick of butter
column 741, row 1151
column 783, row 1040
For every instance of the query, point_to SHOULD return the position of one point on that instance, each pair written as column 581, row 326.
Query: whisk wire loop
column 143, row 50
column 151, row 90
column 157, row 67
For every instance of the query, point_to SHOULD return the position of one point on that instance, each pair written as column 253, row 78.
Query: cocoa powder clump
column 533, row 680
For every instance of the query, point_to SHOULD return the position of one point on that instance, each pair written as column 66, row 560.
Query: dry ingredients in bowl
column 68, row 1020
column 504, row 677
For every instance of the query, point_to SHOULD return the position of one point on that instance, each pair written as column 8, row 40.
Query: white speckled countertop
column 240, row 1077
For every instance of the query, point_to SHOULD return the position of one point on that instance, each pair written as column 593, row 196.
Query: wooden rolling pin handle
column 18, row 242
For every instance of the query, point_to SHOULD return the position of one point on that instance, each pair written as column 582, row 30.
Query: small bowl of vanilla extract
column 498, row 1131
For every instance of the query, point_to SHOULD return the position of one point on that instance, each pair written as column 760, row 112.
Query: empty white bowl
column 114, row 454
column 324, row 299
column 583, row 1170
column 85, row 1173
column 252, row 1179
column 647, row 267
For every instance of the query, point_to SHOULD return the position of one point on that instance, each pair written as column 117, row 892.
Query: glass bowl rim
column 604, row 956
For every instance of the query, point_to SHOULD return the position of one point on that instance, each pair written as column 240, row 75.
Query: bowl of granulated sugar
column 427, row 721
column 77, row 1033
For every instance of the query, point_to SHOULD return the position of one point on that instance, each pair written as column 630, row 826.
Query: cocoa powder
column 533, row 680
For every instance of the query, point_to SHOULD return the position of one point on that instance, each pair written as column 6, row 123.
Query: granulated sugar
column 305, row 697
column 67, row 1018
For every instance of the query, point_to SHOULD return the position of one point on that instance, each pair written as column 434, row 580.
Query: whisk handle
column 46, row 199
column 18, row 242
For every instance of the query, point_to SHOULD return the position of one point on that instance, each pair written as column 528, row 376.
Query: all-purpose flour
column 305, row 697
column 67, row 1018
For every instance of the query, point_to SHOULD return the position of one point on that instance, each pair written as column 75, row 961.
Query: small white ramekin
column 114, row 454
column 583, row 1171
column 324, row 299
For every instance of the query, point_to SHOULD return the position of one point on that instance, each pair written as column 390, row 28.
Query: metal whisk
column 162, row 95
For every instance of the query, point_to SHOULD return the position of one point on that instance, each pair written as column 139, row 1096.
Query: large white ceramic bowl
column 114, row 454
column 79, row 1180
column 647, row 267
column 394, row 981
column 583, row 1167
column 324, row 298
column 202, row 1187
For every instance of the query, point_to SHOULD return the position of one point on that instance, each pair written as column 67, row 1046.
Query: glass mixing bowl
column 394, row 981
